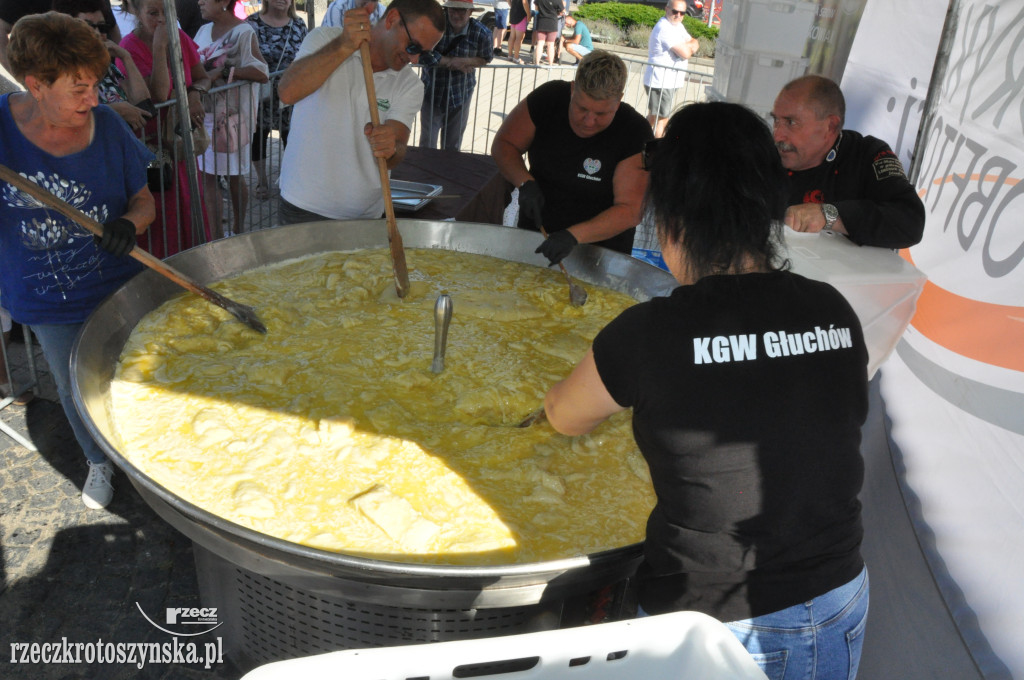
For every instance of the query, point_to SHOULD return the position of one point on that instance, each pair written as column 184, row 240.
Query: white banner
column 956, row 393
column 890, row 64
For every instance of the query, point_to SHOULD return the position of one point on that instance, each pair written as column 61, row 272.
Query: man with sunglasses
column 667, row 51
column 329, row 169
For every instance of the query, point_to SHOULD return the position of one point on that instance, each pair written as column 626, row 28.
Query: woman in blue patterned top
column 53, row 272
column 280, row 33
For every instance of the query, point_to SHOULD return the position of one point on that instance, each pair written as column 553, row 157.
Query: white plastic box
column 776, row 26
column 753, row 78
column 880, row 285
column 677, row 646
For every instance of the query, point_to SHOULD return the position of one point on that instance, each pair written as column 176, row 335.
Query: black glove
column 556, row 246
column 531, row 201
column 118, row 237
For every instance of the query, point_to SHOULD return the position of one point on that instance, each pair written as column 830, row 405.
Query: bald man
column 839, row 179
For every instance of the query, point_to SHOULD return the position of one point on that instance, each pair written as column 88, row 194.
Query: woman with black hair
column 748, row 386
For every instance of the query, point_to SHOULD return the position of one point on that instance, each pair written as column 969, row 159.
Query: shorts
column 578, row 49
column 660, row 102
column 501, row 18
column 521, row 26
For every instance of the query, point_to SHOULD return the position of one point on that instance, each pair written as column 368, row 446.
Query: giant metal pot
column 259, row 582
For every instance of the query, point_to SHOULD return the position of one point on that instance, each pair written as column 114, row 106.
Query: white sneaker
column 98, row 490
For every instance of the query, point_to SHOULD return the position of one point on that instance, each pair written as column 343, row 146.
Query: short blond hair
column 601, row 75
column 48, row 46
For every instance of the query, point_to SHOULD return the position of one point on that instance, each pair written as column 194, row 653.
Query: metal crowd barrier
column 499, row 88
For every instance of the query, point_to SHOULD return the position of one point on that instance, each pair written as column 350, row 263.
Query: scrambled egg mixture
column 331, row 431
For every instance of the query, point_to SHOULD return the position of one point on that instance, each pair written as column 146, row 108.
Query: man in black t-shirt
column 585, row 183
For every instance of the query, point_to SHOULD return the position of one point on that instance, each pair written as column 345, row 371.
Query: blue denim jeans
column 451, row 123
column 56, row 341
column 820, row 639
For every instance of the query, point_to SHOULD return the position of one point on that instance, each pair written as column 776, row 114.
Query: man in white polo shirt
column 669, row 46
column 329, row 169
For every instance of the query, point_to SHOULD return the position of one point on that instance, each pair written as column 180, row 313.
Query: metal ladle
column 442, row 317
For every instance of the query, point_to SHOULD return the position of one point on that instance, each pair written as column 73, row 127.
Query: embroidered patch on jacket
column 887, row 165
column 383, row 104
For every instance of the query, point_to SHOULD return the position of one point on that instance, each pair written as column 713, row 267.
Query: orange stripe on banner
column 993, row 334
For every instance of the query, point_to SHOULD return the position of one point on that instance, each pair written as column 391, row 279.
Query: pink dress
column 171, row 231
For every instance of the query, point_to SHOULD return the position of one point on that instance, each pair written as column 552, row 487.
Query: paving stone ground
column 72, row 574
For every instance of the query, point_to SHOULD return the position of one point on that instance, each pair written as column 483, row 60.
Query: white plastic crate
column 678, row 646
column 775, row 26
column 753, row 78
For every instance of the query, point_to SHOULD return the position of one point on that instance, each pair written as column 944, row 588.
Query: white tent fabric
column 955, row 392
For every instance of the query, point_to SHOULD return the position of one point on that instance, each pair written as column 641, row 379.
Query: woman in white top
column 230, row 51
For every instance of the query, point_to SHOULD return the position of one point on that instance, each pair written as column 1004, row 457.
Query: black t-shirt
column 866, row 182
column 748, row 395
column 574, row 173
column 547, row 15
column 516, row 12
column 12, row 10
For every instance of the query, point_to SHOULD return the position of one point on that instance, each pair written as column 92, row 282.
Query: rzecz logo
column 205, row 617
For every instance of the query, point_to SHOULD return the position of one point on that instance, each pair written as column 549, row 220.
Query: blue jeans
column 56, row 341
column 820, row 639
column 451, row 123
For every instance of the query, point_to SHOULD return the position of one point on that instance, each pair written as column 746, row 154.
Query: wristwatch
column 831, row 214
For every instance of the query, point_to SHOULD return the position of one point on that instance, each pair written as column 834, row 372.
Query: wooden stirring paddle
column 241, row 312
column 394, row 238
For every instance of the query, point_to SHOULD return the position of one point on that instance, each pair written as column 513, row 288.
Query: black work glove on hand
column 557, row 246
column 118, row 237
column 531, row 201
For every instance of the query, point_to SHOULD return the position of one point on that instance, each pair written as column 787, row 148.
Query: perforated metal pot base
column 265, row 620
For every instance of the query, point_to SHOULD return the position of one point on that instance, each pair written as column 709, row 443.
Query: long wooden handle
column 72, row 213
column 394, row 238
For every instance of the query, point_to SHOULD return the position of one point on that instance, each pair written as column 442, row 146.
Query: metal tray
column 411, row 196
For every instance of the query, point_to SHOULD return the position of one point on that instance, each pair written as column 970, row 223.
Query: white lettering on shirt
column 725, row 348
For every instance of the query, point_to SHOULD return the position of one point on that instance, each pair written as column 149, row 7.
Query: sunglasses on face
column 413, row 47
column 102, row 28
column 677, row 12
